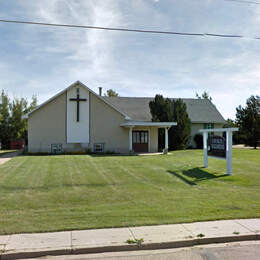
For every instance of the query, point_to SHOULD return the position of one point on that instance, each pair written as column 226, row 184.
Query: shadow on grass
column 196, row 174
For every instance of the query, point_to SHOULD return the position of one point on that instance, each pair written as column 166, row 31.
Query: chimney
column 100, row 91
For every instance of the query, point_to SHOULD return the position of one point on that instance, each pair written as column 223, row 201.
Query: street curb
column 148, row 246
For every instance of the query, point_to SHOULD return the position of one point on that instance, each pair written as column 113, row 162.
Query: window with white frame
column 209, row 126
column 99, row 147
column 56, row 148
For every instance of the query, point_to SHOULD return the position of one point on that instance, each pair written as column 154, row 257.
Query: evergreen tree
column 180, row 134
column 248, row 120
column 5, row 134
column 160, row 109
column 169, row 110
column 237, row 137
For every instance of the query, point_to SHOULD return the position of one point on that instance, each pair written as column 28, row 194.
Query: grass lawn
column 65, row 192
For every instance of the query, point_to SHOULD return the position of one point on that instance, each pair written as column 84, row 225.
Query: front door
column 140, row 141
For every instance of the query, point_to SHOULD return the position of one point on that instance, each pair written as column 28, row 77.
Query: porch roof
column 150, row 124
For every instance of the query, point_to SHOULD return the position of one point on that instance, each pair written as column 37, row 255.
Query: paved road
column 229, row 251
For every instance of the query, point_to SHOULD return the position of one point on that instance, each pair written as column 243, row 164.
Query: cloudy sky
column 44, row 60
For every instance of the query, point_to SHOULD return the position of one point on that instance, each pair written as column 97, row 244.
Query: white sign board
column 78, row 115
column 217, row 145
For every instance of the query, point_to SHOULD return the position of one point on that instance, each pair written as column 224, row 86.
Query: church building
column 77, row 119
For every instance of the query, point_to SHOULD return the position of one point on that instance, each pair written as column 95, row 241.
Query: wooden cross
column 78, row 100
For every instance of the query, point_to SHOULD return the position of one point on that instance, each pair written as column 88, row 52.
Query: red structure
column 16, row 144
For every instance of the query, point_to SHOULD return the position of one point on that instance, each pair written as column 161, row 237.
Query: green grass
column 65, row 192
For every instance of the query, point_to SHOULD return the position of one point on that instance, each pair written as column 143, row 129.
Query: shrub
column 198, row 139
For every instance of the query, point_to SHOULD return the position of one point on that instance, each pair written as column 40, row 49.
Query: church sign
column 217, row 146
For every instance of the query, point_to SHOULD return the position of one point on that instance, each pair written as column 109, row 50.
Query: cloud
column 44, row 60
column 65, row 55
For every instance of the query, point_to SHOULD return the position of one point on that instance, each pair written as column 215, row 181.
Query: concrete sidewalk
column 8, row 156
column 115, row 239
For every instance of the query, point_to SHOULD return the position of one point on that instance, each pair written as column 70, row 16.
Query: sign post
column 205, row 149
column 217, row 146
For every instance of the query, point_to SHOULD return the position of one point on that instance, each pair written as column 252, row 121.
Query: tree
column 170, row 110
column 30, row 108
column 205, row 95
column 229, row 123
column 17, row 123
column 13, row 126
column 237, row 137
column 180, row 135
column 160, row 109
column 248, row 121
column 198, row 139
column 111, row 93
column 5, row 134
column 32, row 105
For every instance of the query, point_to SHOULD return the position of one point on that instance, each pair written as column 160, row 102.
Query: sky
column 42, row 61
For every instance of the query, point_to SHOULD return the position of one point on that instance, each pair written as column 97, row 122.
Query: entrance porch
column 140, row 137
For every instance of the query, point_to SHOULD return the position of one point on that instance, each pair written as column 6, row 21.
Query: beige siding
column 47, row 125
column 195, row 127
column 195, row 130
column 154, row 140
column 105, row 127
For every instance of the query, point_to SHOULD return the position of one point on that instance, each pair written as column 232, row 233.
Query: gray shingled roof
column 199, row 110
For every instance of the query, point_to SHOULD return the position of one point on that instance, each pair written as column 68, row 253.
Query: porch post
column 205, row 149
column 166, row 141
column 130, row 139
